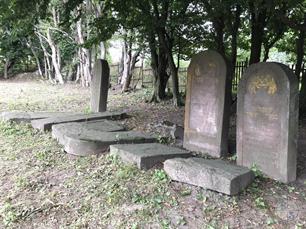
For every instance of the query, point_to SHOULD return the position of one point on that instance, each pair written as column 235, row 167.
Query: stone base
column 145, row 156
column 59, row 131
column 46, row 124
column 19, row 116
column 93, row 142
column 205, row 149
column 216, row 175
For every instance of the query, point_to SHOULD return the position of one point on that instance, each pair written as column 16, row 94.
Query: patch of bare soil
column 42, row 187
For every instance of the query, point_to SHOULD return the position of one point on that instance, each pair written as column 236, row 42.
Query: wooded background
column 63, row 38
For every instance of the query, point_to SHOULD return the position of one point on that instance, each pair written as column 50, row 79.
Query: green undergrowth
column 46, row 181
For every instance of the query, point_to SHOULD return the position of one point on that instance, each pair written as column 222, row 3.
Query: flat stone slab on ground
column 76, row 128
column 217, row 175
column 145, row 156
column 93, row 142
column 46, row 124
column 21, row 116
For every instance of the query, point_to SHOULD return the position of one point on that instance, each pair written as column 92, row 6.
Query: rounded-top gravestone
column 207, row 105
column 267, row 120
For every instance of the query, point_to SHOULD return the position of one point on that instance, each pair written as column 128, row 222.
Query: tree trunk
column 83, row 79
column 159, row 68
column 85, row 57
column 45, row 68
column 268, row 45
column 298, row 68
column 48, row 70
column 78, row 74
column 303, row 95
column 256, row 42
column 102, row 51
column 55, row 51
column 36, row 57
column 58, row 56
column 160, row 80
column 300, row 43
column 219, row 26
column 121, row 65
column 6, row 67
column 58, row 74
column 127, row 58
column 234, row 41
column 9, row 63
column 88, row 65
column 132, row 64
column 173, row 69
column 72, row 69
column 258, row 22
column 234, row 27
column 175, row 81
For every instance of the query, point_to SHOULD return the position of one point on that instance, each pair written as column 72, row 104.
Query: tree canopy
column 62, row 38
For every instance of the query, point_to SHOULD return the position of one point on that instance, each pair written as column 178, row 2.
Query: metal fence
column 143, row 77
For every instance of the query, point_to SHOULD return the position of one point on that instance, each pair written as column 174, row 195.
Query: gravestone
column 21, row 116
column 47, row 123
column 99, row 86
column 146, row 156
column 217, row 175
column 267, row 120
column 207, row 105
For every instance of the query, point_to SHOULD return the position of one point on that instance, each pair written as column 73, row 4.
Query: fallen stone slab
column 20, row 116
column 59, row 131
column 145, row 156
column 46, row 124
column 217, row 175
column 93, row 142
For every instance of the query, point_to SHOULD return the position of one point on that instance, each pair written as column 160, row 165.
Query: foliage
column 165, row 31
column 17, row 20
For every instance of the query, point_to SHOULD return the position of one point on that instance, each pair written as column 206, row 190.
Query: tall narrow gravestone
column 267, row 120
column 207, row 105
column 99, row 86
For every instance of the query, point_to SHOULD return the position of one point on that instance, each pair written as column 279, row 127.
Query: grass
column 85, row 191
column 42, row 187
column 94, row 188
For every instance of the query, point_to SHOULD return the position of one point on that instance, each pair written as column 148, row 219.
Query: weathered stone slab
column 217, row 175
column 20, row 116
column 94, row 142
column 207, row 105
column 145, row 156
column 46, row 124
column 99, row 86
column 77, row 128
column 267, row 120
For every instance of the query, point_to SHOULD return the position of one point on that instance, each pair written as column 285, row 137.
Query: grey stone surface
column 207, row 105
column 267, row 120
column 99, row 86
column 145, row 156
column 93, row 142
column 20, row 116
column 46, row 124
column 177, row 132
column 76, row 128
column 215, row 175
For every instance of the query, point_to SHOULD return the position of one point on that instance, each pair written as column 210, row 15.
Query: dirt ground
column 42, row 187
